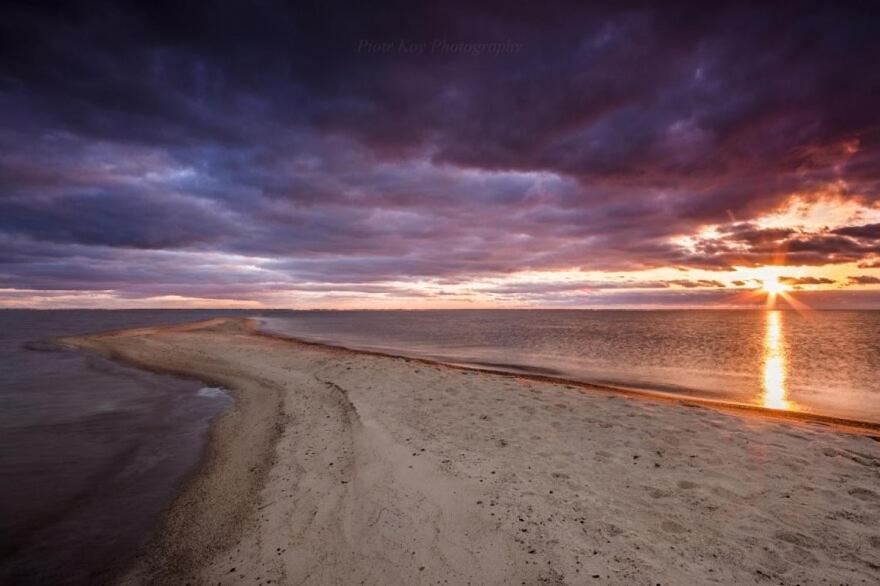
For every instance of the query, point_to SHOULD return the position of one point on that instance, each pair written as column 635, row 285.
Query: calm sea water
column 91, row 451
column 825, row 362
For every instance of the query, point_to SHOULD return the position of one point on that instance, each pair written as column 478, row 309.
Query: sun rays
column 775, row 288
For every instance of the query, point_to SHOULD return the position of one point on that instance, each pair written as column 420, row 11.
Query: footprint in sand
column 863, row 494
column 798, row 539
column 800, row 556
column 656, row 493
column 672, row 527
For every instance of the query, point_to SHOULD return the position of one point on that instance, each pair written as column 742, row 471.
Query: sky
column 324, row 155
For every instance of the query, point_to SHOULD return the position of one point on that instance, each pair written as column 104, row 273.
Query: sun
column 773, row 286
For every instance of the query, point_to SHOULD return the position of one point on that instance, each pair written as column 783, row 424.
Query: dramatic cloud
column 868, row 232
column 277, row 151
column 798, row 281
column 747, row 245
column 864, row 280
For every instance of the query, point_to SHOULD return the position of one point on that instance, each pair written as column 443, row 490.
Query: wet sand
column 340, row 467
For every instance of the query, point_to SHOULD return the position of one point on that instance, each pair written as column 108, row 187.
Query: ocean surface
column 92, row 451
column 824, row 362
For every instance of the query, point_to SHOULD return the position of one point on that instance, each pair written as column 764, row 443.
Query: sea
column 822, row 362
column 93, row 451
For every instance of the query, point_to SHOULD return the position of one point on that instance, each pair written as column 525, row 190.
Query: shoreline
column 175, row 547
column 856, row 426
column 334, row 464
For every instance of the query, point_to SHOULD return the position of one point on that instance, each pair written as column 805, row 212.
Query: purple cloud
column 149, row 151
column 864, row 280
column 798, row 281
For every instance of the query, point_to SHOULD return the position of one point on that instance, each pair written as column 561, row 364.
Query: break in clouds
column 272, row 153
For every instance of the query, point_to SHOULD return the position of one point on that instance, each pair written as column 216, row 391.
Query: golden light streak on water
column 774, row 364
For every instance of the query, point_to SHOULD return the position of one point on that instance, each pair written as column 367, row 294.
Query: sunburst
column 773, row 288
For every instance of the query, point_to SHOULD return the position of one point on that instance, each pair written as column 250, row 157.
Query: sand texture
column 337, row 467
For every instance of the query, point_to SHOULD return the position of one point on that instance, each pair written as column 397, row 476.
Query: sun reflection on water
column 774, row 364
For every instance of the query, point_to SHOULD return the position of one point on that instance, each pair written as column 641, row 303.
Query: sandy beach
column 341, row 467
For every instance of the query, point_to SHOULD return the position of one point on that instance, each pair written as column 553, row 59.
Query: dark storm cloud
column 868, row 232
column 545, row 288
column 752, row 235
column 350, row 144
column 748, row 245
column 128, row 220
column 864, row 280
column 798, row 281
column 699, row 283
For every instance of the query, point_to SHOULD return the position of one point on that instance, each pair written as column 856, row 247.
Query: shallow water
column 824, row 362
column 92, row 451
